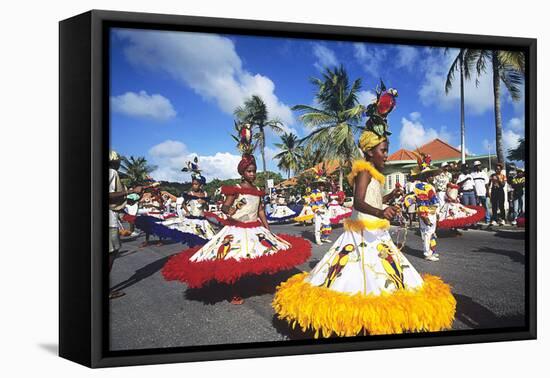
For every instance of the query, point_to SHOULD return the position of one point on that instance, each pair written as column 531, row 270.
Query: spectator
column 466, row 183
column 511, row 174
column 518, row 185
column 441, row 181
column 496, row 191
column 481, row 185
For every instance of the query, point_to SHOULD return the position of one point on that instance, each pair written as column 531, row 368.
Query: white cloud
column 406, row 56
column 325, row 57
column 207, row 63
column 171, row 156
column 415, row 116
column 168, row 149
column 413, row 134
column 366, row 97
column 143, row 105
column 510, row 139
column 370, row 58
column 516, row 124
column 435, row 65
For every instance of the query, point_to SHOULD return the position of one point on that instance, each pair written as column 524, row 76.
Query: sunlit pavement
column 486, row 269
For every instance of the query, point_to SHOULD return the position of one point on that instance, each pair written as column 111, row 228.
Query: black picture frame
column 83, row 140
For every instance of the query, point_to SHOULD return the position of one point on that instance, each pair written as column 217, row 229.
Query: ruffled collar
column 237, row 189
column 363, row 165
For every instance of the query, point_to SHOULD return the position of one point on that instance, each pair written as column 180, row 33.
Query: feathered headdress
column 424, row 166
column 245, row 145
column 376, row 127
column 193, row 167
column 320, row 173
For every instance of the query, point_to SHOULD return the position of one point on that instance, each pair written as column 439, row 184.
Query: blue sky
column 173, row 93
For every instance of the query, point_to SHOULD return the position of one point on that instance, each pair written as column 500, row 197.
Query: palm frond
column 513, row 80
column 455, row 67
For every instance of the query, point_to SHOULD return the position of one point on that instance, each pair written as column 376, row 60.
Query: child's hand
column 390, row 212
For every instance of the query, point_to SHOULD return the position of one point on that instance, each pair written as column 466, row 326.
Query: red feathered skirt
column 456, row 215
column 234, row 252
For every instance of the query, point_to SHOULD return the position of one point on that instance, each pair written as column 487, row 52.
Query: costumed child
column 281, row 212
column 318, row 203
column 427, row 204
column 245, row 245
column 194, row 204
column 364, row 284
column 336, row 212
column 306, row 214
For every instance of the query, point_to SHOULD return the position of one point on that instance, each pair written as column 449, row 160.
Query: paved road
column 486, row 270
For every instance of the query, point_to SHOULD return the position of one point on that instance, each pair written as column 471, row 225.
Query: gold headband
column 370, row 139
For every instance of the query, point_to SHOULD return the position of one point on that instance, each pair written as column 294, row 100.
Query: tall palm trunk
column 498, row 115
column 262, row 148
column 462, row 123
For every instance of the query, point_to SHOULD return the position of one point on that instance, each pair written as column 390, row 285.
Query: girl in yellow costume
column 364, row 284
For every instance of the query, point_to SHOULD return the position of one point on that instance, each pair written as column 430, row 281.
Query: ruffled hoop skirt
column 455, row 215
column 236, row 251
column 365, row 285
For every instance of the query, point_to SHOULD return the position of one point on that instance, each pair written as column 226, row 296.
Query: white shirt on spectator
column 480, row 181
column 468, row 184
column 113, row 218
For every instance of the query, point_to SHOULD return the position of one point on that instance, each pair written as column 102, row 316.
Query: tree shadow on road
column 513, row 255
column 142, row 273
column 245, row 287
column 448, row 233
column 510, row 235
column 308, row 235
column 477, row 316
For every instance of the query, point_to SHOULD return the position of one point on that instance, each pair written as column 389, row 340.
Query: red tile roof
column 436, row 148
column 402, row 154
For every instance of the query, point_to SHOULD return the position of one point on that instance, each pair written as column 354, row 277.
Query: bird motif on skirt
column 224, row 249
column 240, row 203
column 337, row 264
column 266, row 243
column 392, row 267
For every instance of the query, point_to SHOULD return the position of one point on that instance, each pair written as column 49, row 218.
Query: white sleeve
column 112, row 180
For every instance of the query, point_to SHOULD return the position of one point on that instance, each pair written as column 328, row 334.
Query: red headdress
column 245, row 145
column 245, row 162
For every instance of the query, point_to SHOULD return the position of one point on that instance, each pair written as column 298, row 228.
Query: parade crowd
column 364, row 284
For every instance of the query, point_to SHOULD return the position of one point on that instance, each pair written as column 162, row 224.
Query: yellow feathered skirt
column 365, row 285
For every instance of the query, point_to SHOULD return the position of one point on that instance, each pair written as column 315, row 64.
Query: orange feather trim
column 429, row 308
column 358, row 225
column 363, row 165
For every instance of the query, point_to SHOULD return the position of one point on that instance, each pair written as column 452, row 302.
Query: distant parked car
column 348, row 202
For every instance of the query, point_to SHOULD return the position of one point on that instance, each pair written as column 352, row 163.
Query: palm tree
column 507, row 67
column 518, row 153
column 336, row 120
column 310, row 157
column 135, row 170
column 289, row 157
column 462, row 63
column 254, row 111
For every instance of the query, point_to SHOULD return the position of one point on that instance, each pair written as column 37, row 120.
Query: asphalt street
column 486, row 270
